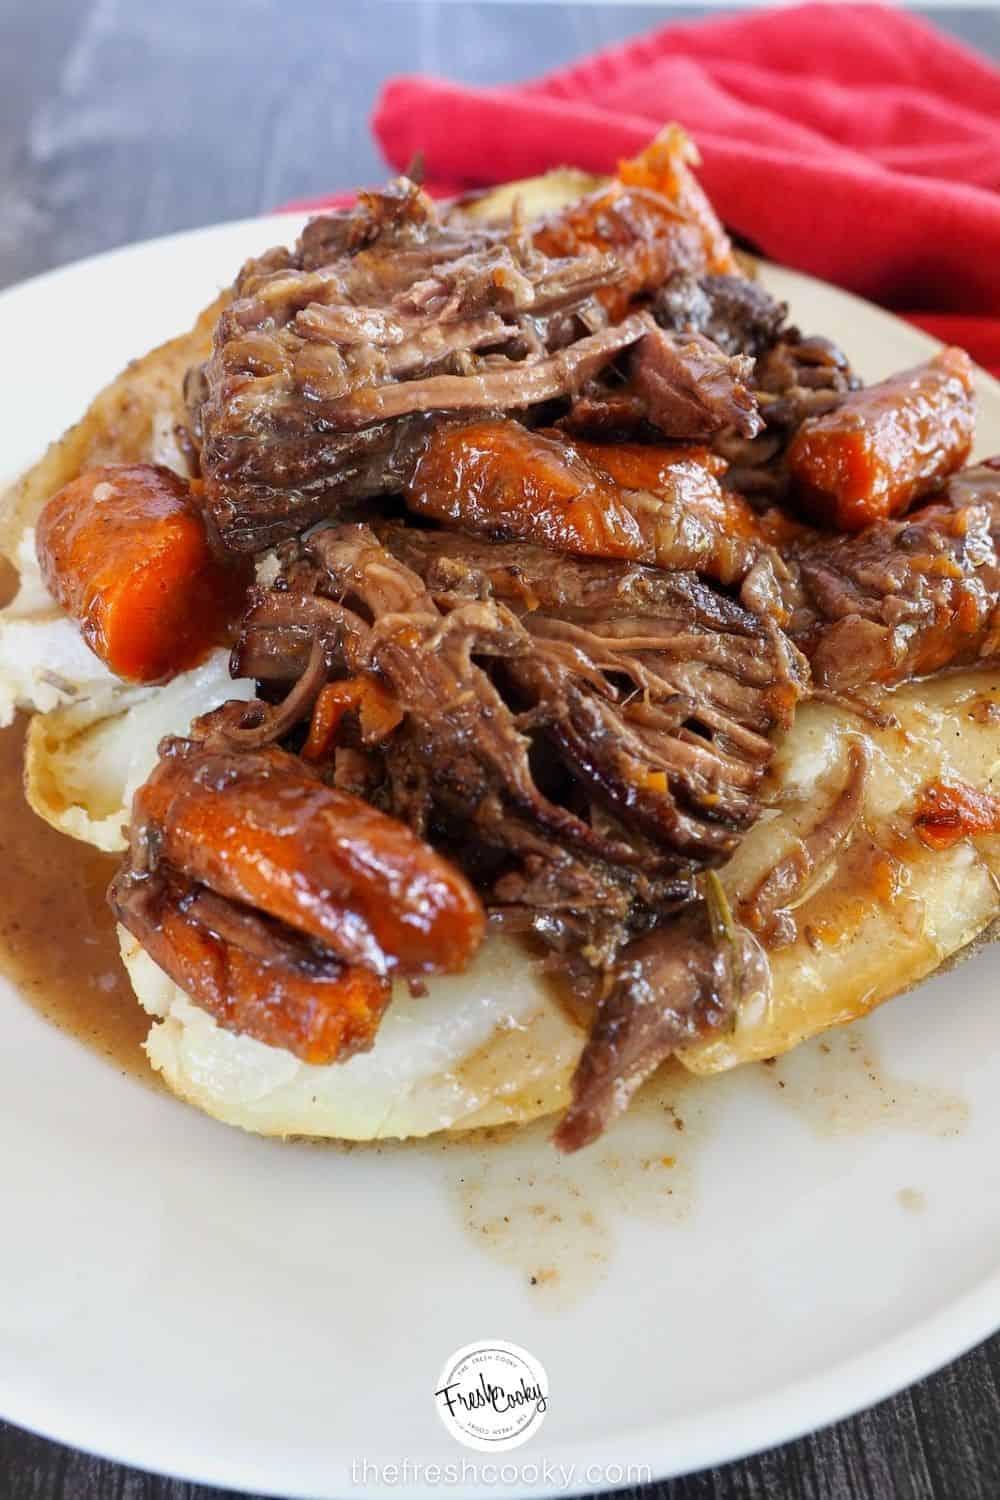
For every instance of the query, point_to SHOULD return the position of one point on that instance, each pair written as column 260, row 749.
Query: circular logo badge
column 492, row 1395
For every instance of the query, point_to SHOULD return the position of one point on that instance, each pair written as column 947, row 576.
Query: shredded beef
column 724, row 367
column 690, row 389
column 736, row 313
column 668, row 987
column 584, row 736
column 581, row 732
column 574, row 588
column 794, row 376
column 903, row 598
column 330, row 357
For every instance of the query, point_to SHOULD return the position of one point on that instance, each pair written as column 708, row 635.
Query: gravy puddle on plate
column 57, row 934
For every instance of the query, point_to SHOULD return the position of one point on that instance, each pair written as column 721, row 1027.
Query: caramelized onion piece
column 799, row 867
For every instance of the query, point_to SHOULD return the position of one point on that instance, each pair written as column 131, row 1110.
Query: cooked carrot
column 664, row 167
column 317, row 1009
column 949, row 811
column 887, row 445
column 261, row 828
column 126, row 553
column 654, row 219
column 652, row 505
column 377, row 710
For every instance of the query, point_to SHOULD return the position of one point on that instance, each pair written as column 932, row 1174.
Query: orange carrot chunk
column 655, row 505
column 887, row 445
column 319, row 1010
column 125, row 552
column 377, row 710
column 263, row 830
column 949, row 811
column 653, row 218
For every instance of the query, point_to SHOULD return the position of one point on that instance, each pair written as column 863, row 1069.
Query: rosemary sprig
column 720, row 915
column 723, row 927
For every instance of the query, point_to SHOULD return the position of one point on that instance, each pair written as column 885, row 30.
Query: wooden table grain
column 123, row 120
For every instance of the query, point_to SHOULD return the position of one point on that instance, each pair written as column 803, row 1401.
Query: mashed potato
column 495, row 1044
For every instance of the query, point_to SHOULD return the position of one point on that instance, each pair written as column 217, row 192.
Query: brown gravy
column 57, row 935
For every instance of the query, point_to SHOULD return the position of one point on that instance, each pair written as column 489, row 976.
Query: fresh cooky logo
column 492, row 1395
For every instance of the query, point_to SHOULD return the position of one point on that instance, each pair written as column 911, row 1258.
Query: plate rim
column 925, row 1347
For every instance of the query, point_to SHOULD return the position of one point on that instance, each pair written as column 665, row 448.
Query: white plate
column 186, row 1298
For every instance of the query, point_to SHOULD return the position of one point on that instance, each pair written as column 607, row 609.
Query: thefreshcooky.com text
column 402, row 1472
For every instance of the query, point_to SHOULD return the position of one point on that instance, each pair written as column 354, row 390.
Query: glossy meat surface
column 903, row 598
column 581, row 735
column 671, row 985
column 689, row 390
column 334, row 357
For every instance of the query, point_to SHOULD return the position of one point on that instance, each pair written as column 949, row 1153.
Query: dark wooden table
column 123, row 120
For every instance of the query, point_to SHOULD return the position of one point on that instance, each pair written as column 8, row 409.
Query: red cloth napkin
column 850, row 141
